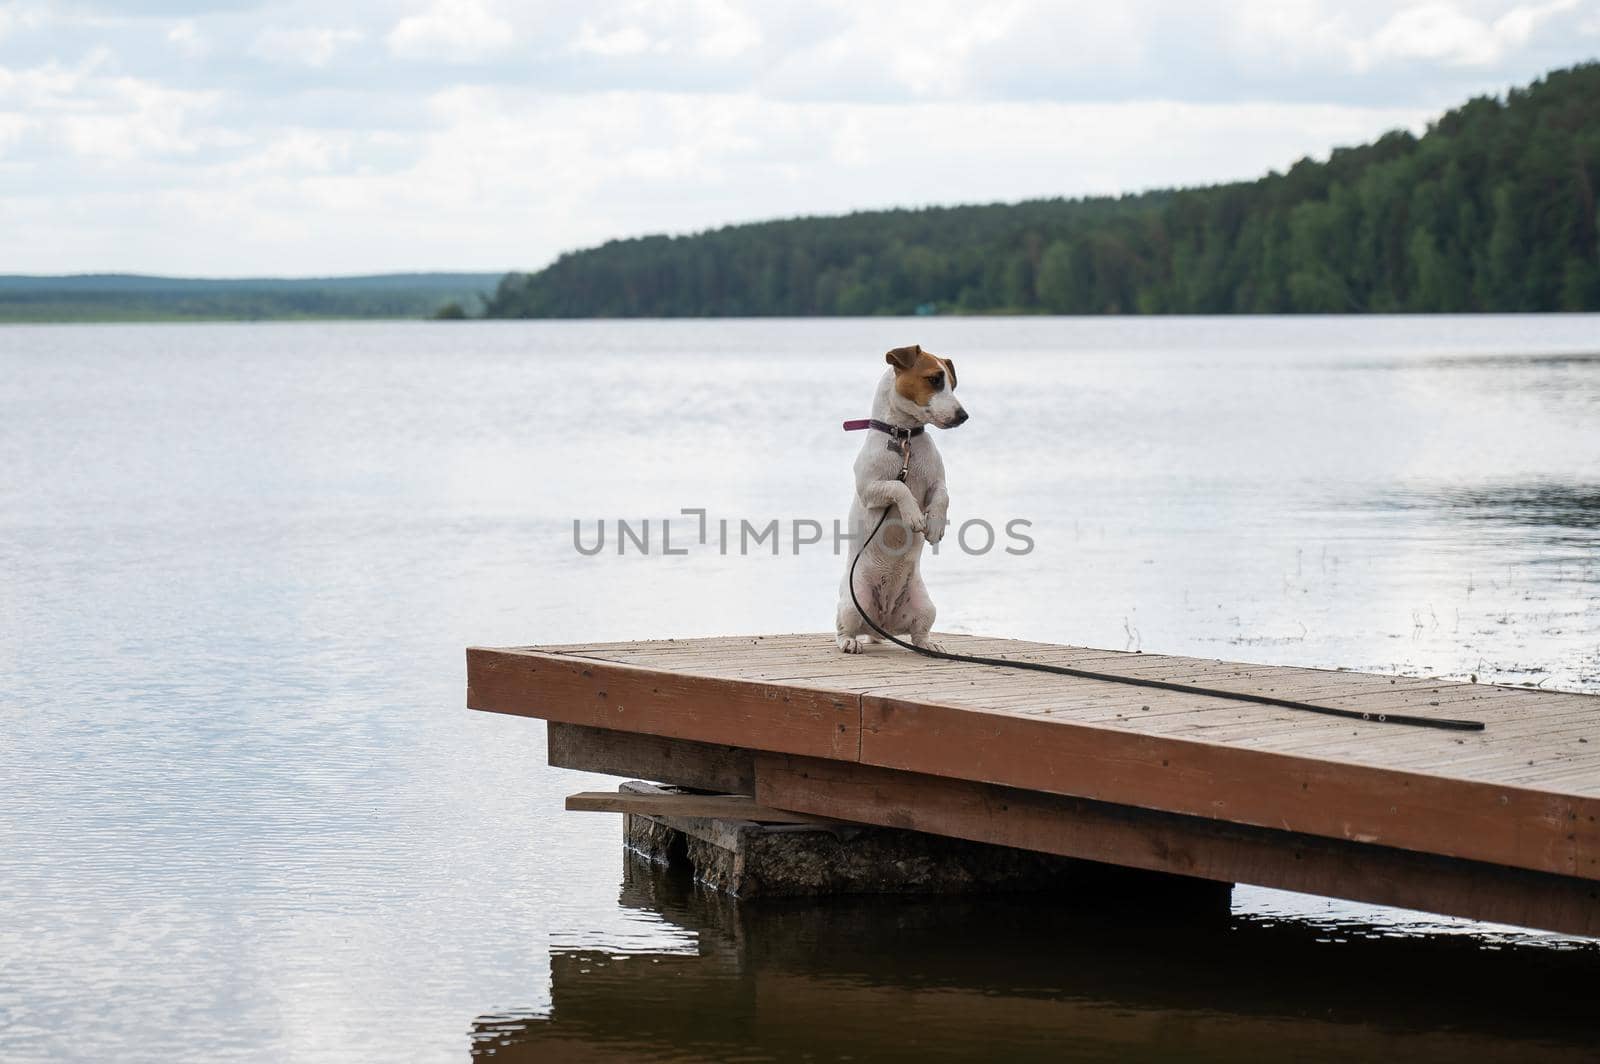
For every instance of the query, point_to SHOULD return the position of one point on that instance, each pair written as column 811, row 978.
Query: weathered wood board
column 710, row 806
column 681, row 762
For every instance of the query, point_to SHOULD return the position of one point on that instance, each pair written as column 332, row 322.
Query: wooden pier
column 1500, row 825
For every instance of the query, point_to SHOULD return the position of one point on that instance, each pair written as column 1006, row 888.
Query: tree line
column 1492, row 209
column 133, row 297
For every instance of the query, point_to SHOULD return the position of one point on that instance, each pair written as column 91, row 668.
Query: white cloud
column 311, row 46
column 456, row 31
column 1000, row 47
column 12, row 128
column 704, row 29
column 727, row 31
column 102, row 117
column 927, row 49
column 15, row 17
column 186, row 37
column 140, row 120
column 1436, row 31
column 288, row 155
column 1443, row 32
column 1517, row 25
column 623, row 40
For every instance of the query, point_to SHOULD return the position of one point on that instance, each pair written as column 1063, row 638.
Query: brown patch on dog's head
column 903, row 358
column 918, row 375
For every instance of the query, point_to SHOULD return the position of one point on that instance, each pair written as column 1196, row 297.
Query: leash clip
column 905, row 458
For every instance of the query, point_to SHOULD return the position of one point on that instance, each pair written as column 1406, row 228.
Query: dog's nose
column 961, row 416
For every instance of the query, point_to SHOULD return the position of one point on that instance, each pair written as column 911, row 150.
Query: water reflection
column 1551, row 506
column 1024, row 979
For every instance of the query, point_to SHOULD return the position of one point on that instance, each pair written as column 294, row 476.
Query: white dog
column 916, row 391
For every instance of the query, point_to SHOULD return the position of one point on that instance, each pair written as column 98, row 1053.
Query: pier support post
column 752, row 860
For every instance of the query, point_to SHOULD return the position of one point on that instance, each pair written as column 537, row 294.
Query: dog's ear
column 903, row 358
column 950, row 368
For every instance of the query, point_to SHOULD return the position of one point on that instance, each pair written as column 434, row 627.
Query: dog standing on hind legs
column 916, row 391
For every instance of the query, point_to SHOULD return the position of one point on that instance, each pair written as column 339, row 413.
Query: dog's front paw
column 914, row 519
column 934, row 527
column 849, row 644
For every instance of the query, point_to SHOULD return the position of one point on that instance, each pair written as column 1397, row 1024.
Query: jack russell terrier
column 916, row 391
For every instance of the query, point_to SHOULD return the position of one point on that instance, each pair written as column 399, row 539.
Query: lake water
column 245, row 816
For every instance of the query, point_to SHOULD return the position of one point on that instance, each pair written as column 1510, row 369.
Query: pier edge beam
column 679, row 762
column 1184, row 845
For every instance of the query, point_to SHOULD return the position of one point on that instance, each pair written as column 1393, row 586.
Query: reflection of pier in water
column 1043, row 979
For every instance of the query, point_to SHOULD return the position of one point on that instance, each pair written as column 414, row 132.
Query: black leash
column 1446, row 723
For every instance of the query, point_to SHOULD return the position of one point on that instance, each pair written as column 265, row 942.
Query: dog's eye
column 937, row 381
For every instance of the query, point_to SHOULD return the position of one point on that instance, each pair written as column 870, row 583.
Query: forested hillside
column 1493, row 209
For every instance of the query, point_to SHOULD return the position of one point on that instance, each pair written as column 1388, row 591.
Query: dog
column 917, row 390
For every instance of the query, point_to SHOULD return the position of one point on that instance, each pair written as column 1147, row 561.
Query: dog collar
column 894, row 431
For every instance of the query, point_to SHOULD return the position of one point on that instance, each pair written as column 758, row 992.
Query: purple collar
column 883, row 426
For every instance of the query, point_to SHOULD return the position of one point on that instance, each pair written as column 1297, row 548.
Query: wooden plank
column 1184, row 845
column 1002, row 689
column 699, row 806
column 1507, row 743
column 681, row 762
column 1541, row 831
column 758, row 716
column 744, row 653
column 814, row 663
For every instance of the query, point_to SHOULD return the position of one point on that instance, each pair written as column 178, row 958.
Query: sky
column 237, row 138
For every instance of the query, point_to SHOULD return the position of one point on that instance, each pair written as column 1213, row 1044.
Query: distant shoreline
column 200, row 319
column 776, row 318
column 133, row 298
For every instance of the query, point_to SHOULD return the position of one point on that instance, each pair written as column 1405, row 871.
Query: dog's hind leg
column 916, row 613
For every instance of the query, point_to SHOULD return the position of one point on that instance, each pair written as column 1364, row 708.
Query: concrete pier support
column 752, row 860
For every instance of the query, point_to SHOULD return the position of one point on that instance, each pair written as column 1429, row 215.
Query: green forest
column 1492, row 209
column 134, row 297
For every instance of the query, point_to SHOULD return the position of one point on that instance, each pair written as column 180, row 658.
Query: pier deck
column 1501, row 825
